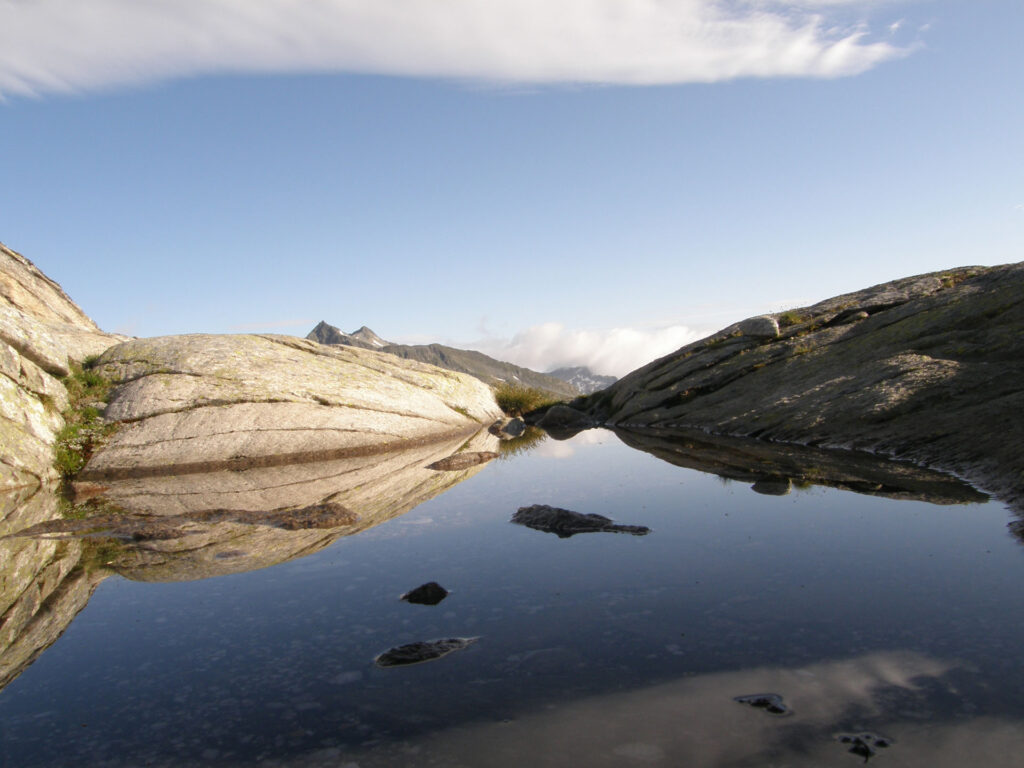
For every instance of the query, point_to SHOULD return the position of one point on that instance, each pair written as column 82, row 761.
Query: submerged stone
column 565, row 523
column 416, row 653
column 864, row 744
column 430, row 593
column 770, row 702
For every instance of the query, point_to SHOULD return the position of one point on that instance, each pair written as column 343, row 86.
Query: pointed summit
column 365, row 334
column 327, row 334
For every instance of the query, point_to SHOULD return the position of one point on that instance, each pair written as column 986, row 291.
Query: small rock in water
column 864, row 744
column 465, row 460
column 769, row 702
column 430, row 593
column 565, row 523
column 415, row 653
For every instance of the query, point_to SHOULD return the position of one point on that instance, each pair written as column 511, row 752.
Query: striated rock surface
column 928, row 369
column 41, row 332
column 202, row 403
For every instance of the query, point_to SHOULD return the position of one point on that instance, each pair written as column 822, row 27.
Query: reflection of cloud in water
column 563, row 449
column 695, row 722
column 552, row 449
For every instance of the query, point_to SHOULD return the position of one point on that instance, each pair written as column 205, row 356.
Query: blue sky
column 552, row 189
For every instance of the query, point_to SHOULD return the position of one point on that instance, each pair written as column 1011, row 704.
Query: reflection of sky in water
column 897, row 617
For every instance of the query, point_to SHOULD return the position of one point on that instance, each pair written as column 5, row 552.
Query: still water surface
column 901, row 620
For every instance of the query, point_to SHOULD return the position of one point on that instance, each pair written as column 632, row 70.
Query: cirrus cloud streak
column 70, row 45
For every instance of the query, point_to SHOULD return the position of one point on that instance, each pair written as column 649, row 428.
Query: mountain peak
column 365, row 334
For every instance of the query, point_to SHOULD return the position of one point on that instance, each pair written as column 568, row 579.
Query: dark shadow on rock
column 565, row 523
column 417, row 653
column 430, row 593
column 774, row 467
column 460, row 461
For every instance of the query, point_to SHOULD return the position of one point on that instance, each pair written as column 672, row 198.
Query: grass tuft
column 85, row 429
column 516, row 399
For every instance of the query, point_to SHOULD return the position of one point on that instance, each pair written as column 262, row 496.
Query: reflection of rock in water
column 192, row 527
column 416, row 653
column 865, row 744
column 565, row 523
column 195, row 526
column 462, row 460
column 430, row 593
column 156, row 528
column 44, row 583
column 774, row 467
column 772, row 486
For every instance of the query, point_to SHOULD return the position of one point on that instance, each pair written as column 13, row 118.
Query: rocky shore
column 927, row 369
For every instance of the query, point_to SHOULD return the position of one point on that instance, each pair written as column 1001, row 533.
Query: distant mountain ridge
column 584, row 379
column 477, row 364
column 364, row 337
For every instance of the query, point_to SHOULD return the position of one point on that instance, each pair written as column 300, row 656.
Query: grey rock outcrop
column 202, row 403
column 41, row 332
column 928, row 369
column 760, row 327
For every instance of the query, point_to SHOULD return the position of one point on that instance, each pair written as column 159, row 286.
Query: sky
column 583, row 182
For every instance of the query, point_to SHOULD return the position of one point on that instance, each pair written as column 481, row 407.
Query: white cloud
column 69, row 45
column 615, row 352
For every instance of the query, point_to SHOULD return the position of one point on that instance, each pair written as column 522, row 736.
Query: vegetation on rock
column 84, row 429
column 516, row 400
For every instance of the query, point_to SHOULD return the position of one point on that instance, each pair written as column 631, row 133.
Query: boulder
column 204, row 402
column 761, row 327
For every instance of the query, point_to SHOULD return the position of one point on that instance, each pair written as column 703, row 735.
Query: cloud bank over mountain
column 51, row 46
column 616, row 352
